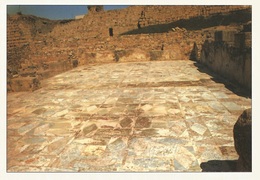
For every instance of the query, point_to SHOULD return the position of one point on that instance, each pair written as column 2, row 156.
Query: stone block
column 24, row 84
column 59, row 65
column 247, row 27
column 75, row 63
column 89, row 57
column 240, row 40
column 119, row 54
column 155, row 55
column 243, row 141
column 194, row 53
column 225, row 36
column 44, row 74
column 28, row 73
column 243, row 39
column 248, row 39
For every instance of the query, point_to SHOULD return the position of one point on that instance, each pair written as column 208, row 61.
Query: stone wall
column 39, row 48
column 230, row 55
column 25, row 35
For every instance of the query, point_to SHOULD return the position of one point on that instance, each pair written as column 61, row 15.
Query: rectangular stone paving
column 162, row 116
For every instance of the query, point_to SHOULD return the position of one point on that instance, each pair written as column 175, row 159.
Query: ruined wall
column 230, row 55
column 166, row 14
column 24, row 34
column 89, row 38
column 43, row 48
column 19, row 37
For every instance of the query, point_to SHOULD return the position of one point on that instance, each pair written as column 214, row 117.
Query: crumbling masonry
column 162, row 110
column 40, row 48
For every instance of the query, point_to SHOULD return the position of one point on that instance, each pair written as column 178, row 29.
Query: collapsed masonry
column 39, row 48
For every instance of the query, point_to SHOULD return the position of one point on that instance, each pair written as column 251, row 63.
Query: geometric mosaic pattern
column 156, row 116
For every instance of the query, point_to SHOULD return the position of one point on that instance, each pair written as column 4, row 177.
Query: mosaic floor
column 162, row 116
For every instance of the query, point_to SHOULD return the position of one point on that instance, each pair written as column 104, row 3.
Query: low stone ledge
column 23, row 84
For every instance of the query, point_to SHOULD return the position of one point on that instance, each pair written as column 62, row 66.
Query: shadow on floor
column 235, row 88
column 219, row 166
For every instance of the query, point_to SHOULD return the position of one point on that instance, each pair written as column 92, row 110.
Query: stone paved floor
column 162, row 116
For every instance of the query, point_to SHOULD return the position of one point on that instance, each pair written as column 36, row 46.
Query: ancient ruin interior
column 140, row 89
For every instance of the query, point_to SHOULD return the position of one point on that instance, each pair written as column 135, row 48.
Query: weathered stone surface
column 89, row 129
column 243, row 140
column 42, row 48
column 84, row 121
column 225, row 36
column 24, row 84
column 126, row 122
column 194, row 53
column 142, row 122
column 39, row 111
column 225, row 59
